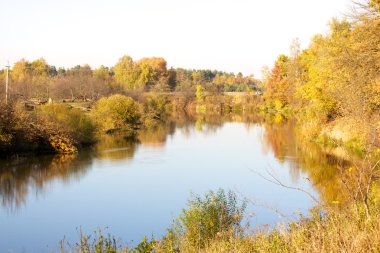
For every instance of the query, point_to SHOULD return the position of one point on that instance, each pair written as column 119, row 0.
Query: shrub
column 7, row 121
column 216, row 216
column 76, row 123
column 117, row 112
column 154, row 109
column 51, row 128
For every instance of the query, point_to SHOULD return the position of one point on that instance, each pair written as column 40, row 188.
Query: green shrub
column 117, row 112
column 216, row 216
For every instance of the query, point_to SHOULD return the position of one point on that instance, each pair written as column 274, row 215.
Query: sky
column 228, row 35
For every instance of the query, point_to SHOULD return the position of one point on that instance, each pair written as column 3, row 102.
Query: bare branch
column 276, row 181
column 262, row 205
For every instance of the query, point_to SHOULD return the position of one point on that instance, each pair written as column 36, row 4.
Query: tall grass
column 213, row 224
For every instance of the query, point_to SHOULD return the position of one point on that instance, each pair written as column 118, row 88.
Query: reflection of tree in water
column 115, row 147
column 210, row 123
column 320, row 164
column 156, row 136
column 19, row 176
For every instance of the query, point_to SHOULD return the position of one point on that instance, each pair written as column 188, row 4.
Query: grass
column 213, row 224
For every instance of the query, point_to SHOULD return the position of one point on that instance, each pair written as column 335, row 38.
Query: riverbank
column 325, row 230
column 67, row 127
column 53, row 128
column 327, row 175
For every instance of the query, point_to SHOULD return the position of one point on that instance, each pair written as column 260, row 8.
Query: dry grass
column 348, row 230
column 334, row 233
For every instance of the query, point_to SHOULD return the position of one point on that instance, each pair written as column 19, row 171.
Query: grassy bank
column 67, row 127
column 214, row 224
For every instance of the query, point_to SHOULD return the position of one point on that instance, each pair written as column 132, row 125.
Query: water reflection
column 115, row 147
column 32, row 173
column 322, row 165
column 156, row 136
column 20, row 176
column 136, row 187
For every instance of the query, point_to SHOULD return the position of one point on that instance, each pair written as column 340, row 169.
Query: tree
column 103, row 73
column 21, row 70
column 158, row 64
column 279, row 89
column 39, row 68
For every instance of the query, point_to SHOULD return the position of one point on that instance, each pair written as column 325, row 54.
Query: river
column 136, row 188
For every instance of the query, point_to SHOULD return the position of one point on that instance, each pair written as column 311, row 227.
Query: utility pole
column 7, row 84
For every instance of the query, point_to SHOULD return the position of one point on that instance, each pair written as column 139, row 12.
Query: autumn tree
column 278, row 87
column 127, row 73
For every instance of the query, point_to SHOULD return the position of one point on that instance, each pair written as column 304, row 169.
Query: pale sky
column 229, row 35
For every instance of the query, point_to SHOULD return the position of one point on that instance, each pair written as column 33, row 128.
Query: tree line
column 37, row 79
column 337, row 77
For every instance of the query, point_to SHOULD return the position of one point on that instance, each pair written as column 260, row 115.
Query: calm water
column 136, row 189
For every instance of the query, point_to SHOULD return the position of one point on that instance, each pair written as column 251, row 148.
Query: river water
column 136, row 188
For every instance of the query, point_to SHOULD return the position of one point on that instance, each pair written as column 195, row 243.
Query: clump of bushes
column 119, row 113
column 61, row 129
column 7, row 123
column 21, row 131
column 77, row 124
column 116, row 113
column 51, row 128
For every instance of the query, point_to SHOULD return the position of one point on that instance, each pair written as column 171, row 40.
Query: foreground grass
column 213, row 224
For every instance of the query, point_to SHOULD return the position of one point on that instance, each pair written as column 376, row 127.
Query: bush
column 51, row 128
column 7, row 121
column 216, row 216
column 76, row 123
column 154, row 109
column 117, row 112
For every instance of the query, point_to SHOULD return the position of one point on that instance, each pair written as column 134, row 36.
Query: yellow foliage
column 116, row 112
